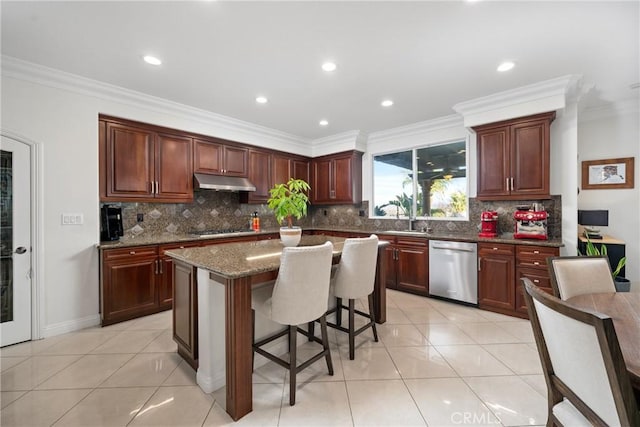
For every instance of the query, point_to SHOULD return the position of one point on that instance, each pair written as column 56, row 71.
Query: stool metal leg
column 311, row 329
column 339, row 311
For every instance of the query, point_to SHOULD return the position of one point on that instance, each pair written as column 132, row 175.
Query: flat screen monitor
column 598, row 218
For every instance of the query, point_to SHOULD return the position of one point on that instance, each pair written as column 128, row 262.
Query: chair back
column 577, row 275
column 356, row 273
column 581, row 360
column 301, row 291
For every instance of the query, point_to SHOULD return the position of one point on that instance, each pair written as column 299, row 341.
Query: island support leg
column 238, row 329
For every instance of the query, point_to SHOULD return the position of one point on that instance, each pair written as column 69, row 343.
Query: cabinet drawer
column 407, row 241
column 139, row 251
column 539, row 278
column 488, row 249
column 534, row 256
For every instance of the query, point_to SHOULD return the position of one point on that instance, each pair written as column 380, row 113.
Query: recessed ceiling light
column 323, row 122
column 261, row 100
column 329, row 66
column 506, row 66
column 387, row 103
column 151, row 60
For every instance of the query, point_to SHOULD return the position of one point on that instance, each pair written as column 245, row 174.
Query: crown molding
column 612, row 109
column 350, row 140
column 38, row 74
column 426, row 126
column 548, row 95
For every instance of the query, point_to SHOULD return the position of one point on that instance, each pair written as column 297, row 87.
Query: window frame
column 414, row 149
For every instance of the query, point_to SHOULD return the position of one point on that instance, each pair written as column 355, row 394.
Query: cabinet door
column 493, row 162
column 281, row 169
column 530, row 158
column 342, row 180
column 174, row 168
column 413, row 267
column 538, row 277
column 235, row 161
column 259, row 175
column 207, row 157
column 392, row 273
column 496, row 280
column 129, row 285
column 321, row 182
column 300, row 169
column 130, row 162
column 185, row 313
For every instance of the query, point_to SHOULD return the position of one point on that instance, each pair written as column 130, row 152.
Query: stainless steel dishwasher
column 453, row 271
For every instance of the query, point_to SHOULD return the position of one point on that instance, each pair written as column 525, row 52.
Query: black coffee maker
column 110, row 223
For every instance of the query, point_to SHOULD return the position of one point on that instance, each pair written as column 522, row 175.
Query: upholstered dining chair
column 298, row 295
column 577, row 275
column 587, row 380
column 354, row 278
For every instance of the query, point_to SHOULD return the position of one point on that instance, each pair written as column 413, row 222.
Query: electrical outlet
column 140, row 217
column 324, row 212
column 361, row 212
column 72, row 219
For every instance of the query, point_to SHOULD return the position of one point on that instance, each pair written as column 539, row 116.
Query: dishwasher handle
column 457, row 249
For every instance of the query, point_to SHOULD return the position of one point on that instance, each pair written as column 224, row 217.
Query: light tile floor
column 436, row 364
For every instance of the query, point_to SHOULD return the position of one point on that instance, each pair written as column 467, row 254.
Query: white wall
column 607, row 138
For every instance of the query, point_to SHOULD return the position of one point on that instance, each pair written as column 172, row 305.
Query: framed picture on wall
column 607, row 174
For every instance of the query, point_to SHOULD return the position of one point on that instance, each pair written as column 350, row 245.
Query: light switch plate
column 72, row 219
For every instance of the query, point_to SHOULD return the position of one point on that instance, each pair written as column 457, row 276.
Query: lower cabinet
column 165, row 285
column 129, row 283
column 407, row 264
column 500, row 268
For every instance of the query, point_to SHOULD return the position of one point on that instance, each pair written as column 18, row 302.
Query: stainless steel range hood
column 222, row 183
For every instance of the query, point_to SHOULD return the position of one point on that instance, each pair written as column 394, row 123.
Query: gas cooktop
column 211, row 233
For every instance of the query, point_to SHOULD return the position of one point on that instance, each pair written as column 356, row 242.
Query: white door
column 15, row 241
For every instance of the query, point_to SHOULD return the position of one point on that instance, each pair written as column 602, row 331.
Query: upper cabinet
column 267, row 168
column 513, row 158
column 337, row 178
column 140, row 164
column 219, row 159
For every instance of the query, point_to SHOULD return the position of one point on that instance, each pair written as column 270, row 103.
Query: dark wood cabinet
column 260, row 175
column 407, row 262
column 165, row 275
column 219, row 159
column 140, row 164
column 496, row 276
column 300, row 169
column 185, row 312
column 129, row 283
column 501, row 266
column 513, row 158
column 337, row 178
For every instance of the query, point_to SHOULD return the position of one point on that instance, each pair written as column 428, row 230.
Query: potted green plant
column 622, row 284
column 289, row 200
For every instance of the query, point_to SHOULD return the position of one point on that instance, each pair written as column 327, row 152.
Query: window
column 426, row 182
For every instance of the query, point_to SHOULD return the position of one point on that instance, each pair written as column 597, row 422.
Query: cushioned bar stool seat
column 577, row 275
column 298, row 295
column 354, row 278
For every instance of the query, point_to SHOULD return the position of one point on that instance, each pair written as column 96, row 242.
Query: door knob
column 21, row 250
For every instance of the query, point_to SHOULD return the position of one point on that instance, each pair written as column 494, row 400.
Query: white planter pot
column 290, row 236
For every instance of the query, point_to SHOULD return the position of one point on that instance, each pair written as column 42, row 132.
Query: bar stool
column 354, row 278
column 299, row 295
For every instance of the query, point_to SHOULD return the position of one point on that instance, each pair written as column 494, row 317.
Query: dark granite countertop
column 233, row 260
column 459, row 237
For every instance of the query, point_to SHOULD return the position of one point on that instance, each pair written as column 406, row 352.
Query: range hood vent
column 222, row 183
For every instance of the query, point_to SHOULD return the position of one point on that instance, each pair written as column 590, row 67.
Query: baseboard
column 70, row 326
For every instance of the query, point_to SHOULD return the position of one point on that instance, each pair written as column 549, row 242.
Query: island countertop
column 234, row 260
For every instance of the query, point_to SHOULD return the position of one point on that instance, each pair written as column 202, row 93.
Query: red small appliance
column 530, row 225
column 489, row 224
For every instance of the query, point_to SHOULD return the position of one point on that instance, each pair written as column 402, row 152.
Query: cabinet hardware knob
column 536, row 252
column 536, row 263
column 495, row 249
column 507, row 184
column 536, row 281
column 132, row 252
column 479, row 263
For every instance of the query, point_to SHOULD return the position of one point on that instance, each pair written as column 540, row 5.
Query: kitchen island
column 217, row 281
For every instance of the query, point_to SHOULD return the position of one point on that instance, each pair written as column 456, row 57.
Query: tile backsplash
column 223, row 210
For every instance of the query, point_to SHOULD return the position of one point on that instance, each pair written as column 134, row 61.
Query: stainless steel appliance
column 453, row 271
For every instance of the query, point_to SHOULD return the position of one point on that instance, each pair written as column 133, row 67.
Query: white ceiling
column 426, row 56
